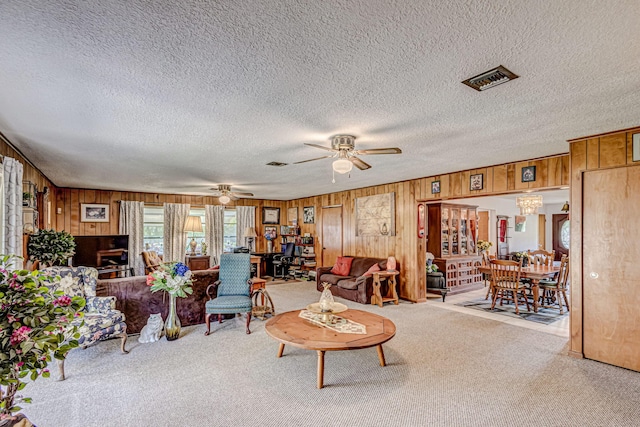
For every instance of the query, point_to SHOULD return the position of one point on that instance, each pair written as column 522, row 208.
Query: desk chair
column 283, row 262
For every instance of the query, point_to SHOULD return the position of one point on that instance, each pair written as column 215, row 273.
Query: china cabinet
column 452, row 238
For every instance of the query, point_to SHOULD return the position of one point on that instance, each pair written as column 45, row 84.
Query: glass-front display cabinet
column 452, row 237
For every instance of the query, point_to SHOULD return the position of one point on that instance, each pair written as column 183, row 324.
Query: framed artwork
column 271, row 232
column 271, row 215
column 375, row 215
column 528, row 173
column 292, row 215
column 476, row 182
column 94, row 213
column 309, row 214
column 521, row 222
column 435, row 187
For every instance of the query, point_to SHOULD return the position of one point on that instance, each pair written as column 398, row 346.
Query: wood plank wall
column 409, row 250
column 610, row 150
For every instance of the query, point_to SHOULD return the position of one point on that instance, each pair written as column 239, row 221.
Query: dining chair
column 556, row 289
column 541, row 257
column 505, row 282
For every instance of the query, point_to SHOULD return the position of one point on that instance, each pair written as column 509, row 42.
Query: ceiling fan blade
column 216, row 193
column 233, row 196
column 390, row 150
column 311, row 160
column 359, row 163
column 237, row 194
column 322, row 147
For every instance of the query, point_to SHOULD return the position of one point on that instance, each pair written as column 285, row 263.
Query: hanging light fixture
column 529, row 204
column 342, row 165
column 565, row 207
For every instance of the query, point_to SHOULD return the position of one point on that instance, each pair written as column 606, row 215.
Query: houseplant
column 34, row 324
column 51, row 247
column 175, row 279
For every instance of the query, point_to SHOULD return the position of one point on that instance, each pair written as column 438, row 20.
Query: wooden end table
column 258, row 288
column 289, row 328
column 392, row 293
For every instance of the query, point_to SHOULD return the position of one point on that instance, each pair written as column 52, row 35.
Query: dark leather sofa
column 355, row 286
column 137, row 302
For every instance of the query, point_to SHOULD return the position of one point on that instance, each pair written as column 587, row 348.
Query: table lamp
column 250, row 233
column 194, row 225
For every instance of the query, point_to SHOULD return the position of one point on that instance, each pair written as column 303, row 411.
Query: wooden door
column 542, row 231
column 560, row 235
column 610, row 270
column 331, row 234
column 483, row 225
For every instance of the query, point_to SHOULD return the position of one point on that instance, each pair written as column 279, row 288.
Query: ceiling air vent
column 278, row 164
column 490, row 79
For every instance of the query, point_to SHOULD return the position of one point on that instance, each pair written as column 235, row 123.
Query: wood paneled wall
column 551, row 172
column 610, row 150
column 30, row 173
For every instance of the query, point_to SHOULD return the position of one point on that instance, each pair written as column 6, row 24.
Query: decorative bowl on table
column 326, row 314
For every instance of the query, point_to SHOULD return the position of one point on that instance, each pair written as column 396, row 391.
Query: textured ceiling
column 176, row 97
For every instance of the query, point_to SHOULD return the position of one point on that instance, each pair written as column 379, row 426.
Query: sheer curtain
column 214, row 231
column 12, row 206
column 132, row 223
column 175, row 238
column 246, row 216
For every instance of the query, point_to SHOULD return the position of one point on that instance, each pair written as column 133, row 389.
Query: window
column 198, row 236
column 230, row 230
column 153, row 229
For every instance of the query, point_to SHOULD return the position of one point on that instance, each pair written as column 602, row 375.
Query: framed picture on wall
column 476, row 182
column 435, row 187
column 271, row 215
column 94, row 213
column 309, row 214
column 528, row 174
column 292, row 215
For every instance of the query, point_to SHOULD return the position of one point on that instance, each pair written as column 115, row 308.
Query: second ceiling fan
column 343, row 147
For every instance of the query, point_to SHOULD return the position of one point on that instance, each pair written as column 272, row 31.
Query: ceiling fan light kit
column 225, row 195
column 343, row 147
column 224, row 199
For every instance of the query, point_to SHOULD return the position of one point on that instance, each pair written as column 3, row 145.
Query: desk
column 533, row 273
column 257, row 261
column 392, row 294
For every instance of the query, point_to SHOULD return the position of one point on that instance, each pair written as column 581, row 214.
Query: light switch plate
column 636, row 147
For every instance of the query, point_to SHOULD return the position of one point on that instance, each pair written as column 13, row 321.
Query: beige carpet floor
column 445, row 368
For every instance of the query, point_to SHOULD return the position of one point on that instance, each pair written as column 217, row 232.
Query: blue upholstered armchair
column 101, row 319
column 233, row 289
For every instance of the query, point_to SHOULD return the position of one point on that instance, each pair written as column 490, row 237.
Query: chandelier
column 529, row 204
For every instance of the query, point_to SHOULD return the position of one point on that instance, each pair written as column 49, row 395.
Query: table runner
column 337, row 323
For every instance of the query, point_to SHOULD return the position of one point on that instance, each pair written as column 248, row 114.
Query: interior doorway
column 560, row 235
column 331, row 234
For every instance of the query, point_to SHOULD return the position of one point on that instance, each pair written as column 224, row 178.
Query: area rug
column 544, row 315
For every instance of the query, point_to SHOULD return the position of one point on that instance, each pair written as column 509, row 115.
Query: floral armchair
column 101, row 319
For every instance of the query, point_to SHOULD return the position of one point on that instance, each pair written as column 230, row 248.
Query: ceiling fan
column 343, row 147
column 226, row 195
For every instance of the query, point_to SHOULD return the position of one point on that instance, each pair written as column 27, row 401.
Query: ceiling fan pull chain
column 333, row 180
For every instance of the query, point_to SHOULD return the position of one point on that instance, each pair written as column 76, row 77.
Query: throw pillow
column 215, row 267
column 375, row 267
column 342, row 266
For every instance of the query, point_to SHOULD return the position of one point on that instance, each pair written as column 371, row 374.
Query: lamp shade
column 250, row 232
column 342, row 166
column 224, row 199
column 193, row 224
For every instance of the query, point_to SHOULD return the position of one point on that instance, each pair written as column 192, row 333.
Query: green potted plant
column 51, row 247
column 34, row 324
column 26, row 198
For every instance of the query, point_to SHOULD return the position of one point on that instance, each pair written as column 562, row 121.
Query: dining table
column 534, row 273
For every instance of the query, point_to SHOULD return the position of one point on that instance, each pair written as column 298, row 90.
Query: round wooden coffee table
column 289, row 328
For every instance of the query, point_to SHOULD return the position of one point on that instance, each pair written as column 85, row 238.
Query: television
column 101, row 251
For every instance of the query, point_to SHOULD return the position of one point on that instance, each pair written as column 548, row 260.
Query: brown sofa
column 355, row 286
column 137, row 302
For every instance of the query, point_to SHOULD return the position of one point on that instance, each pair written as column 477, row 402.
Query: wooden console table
column 198, row 262
column 392, row 294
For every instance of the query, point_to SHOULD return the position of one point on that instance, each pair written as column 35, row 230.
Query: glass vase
column 172, row 324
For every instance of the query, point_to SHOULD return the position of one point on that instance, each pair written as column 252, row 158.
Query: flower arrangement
column 431, row 267
column 174, row 278
column 270, row 234
column 484, row 245
column 34, row 324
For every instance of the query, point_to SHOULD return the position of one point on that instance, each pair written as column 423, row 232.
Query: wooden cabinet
column 452, row 238
column 198, row 262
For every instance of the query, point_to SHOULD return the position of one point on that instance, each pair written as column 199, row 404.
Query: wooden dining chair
column 505, row 282
column 541, row 257
column 556, row 290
